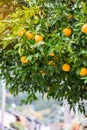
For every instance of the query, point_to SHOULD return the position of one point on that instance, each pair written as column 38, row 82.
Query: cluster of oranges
column 65, row 67
column 68, row 31
column 38, row 38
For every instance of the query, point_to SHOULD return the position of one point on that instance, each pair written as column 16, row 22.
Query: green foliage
column 43, row 72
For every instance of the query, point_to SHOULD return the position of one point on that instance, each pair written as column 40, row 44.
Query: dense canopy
column 44, row 48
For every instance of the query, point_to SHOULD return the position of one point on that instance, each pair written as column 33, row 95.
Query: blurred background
column 43, row 114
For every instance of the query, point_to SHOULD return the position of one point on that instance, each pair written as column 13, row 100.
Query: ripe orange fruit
column 67, row 32
column 38, row 38
column 24, row 60
column 83, row 72
column 29, row 35
column 66, row 67
column 20, row 33
column 84, row 28
column 52, row 54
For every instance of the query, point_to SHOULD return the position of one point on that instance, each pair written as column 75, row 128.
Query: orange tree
column 43, row 47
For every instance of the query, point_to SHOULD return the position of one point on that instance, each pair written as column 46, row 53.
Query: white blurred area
column 45, row 128
column 8, row 118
